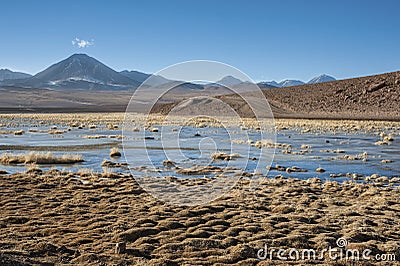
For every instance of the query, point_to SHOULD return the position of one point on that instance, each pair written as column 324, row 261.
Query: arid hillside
column 373, row 97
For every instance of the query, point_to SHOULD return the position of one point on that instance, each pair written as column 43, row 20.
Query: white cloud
column 82, row 43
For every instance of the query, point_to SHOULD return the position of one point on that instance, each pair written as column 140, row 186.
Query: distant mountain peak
column 229, row 81
column 11, row 75
column 81, row 70
column 80, row 55
column 321, row 78
column 324, row 76
column 229, row 77
column 290, row 82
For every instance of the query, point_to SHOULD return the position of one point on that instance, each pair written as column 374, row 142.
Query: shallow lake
column 191, row 147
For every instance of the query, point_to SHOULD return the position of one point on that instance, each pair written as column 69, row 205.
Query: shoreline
column 118, row 115
column 118, row 110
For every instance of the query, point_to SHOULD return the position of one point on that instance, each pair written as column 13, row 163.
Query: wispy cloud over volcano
column 82, row 43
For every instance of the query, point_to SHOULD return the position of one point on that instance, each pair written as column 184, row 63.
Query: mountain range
column 8, row 74
column 80, row 71
column 284, row 83
column 232, row 81
column 291, row 82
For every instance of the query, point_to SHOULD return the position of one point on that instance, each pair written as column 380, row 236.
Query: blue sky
column 267, row 40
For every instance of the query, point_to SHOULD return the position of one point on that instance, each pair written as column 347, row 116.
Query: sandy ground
column 52, row 218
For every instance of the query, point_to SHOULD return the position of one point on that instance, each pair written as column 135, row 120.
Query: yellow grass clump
column 33, row 168
column 114, row 152
column 108, row 173
column 95, row 136
column 85, row 172
column 56, row 132
column 168, row 163
column 224, row 156
column 40, row 158
column 320, row 170
column 19, row 132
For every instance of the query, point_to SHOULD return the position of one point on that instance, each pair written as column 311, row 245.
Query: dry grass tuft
column 108, row 173
column 224, row 156
column 320, row 170
column 203, row 170
column 56, row 132
column 95, row 137
column 168, row 163
column 34, row 169
column 86, row 172
column 19, row 132
column 40, row 158
column 114, row 152
column 3, row 172
column 112, row 127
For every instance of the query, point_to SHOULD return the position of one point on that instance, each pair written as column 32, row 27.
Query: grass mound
column 40, row 158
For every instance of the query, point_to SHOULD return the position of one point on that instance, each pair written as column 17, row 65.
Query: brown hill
column 372, row 97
